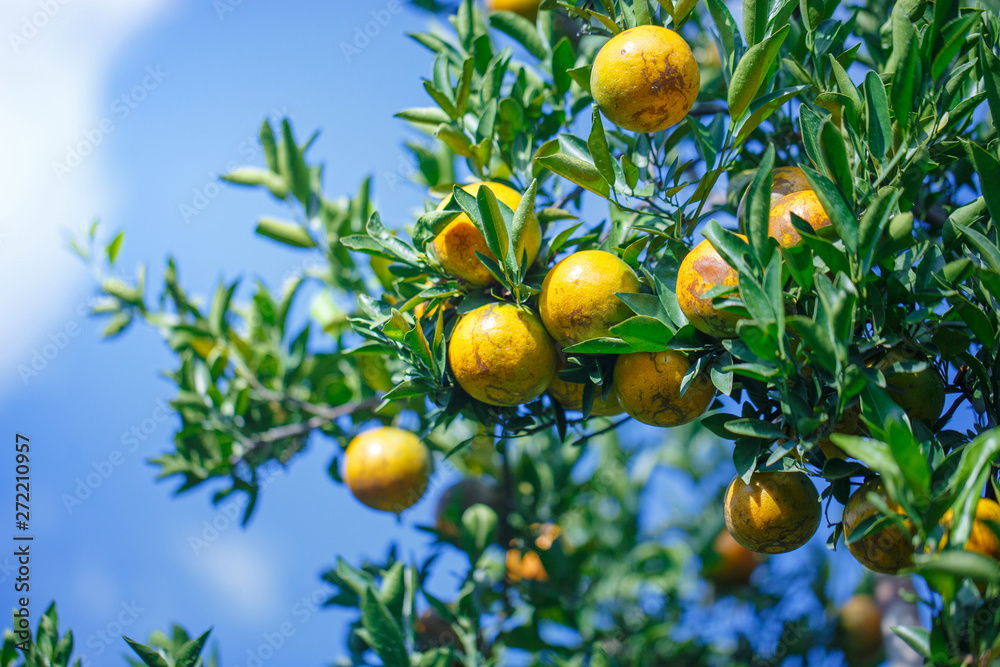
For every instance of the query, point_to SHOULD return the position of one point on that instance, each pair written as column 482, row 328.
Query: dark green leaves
column 877, row 114
column 755, row 14
column 759, row 206
column 386, row 635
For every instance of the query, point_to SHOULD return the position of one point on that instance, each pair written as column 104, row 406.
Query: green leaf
column 598, row 145
column 919, row 639
column 874, row 453
column 953, row 37
column 520, row 30
column 989, row 174
column 973, row 468
column 838, row 210
column 958, row 564
column 844, row 82
column 762, row 108
column 877, row 110
column 148, row 656
column 990, row 66
column 495, row 229
column 579, row 171
column 641, row 9
column 294, row 168
column 907, row 77
column 525, row 209
column 729, row 32
column 643, row 333
column 387, row 637
column 911, row 461
column 426, row 115
column 751, row 70
column 189, row 653
column 114, row 247
column 270, row 147
column 289, row 233
column 479, row 524
column 396, row 246
column 393, row 589
column 755, row 428
column 606, row 345
column 834, row 151
column 759, row 206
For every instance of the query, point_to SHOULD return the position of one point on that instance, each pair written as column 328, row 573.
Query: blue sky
column 163, row 96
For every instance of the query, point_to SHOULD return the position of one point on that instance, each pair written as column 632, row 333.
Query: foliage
column 887, row 108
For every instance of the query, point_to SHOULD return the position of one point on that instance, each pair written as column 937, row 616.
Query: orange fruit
column 501, row 354
column 528, row 565
column 701, row 270
column 887, row 551
column 648, row 385
column 775, row 513
column 848, row 425
column 784, row 181
column 578, row 299
column 645, row 79
column 921, row 395
column 982, row 539
column 526, row 8
column 859, row 630
column 456, row 245
column 734, row 563
column 804, row 204
column 387, row 468
column 459, row 497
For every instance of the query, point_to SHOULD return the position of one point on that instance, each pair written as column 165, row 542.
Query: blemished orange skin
column 648, row 385
column 775, row 513
column 578, row 299
column 859, row 630
column 982, row 539
column 804, row 204
column 526, row 8
column 527, row 565
column 701, row 270
column 645, row 79
column 735, row 563
column 889, row 550
column 459, row 497
column 570, row 396
column 921, row 395
column 502, row 355
column 387, row 468
column 456, row 245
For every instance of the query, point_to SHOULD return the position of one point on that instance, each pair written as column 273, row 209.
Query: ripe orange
column 455, row 246
column 859, row 630
column 734, row 563
column 459, row 497
column 887, row 551
column 649, row 388
column 645, row 79
column 501, row 354
column 701, row 270
column 578, row 299
column 570, row 396
column 387, row 468
column 784, row 181
column 775, row 513
column 804, row 204
column 982, row 540
column 921, row 395
column 526, row 8
column 528, row 565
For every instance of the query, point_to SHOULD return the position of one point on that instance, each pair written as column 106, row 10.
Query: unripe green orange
column 887, row 551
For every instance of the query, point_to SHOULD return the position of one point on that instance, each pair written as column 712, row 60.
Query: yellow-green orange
column 570, row 396
column 888, row 550
column 387, row 468
column 920, row 394
column 645, row 79
column 804, row 204
column 526, row 8
column 701, row 270
column 982, row 539
column 456, row 245
column 733, row 563
column 859, row 630
column 578, row 299
column 501, row 354
column 648, row 385
column 774, row 513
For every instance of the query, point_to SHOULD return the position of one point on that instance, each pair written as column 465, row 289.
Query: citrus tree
column 771, row 240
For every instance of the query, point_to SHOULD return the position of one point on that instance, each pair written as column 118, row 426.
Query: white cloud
column 56, row 57
column 240, row 572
